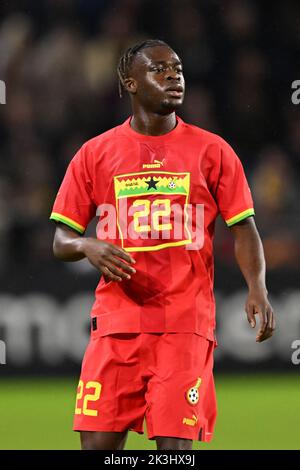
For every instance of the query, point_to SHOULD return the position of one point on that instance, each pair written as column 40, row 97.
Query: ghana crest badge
column 192, row 395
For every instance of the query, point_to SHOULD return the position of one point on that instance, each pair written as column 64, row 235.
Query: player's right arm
column 113, row 262
column 74, row 208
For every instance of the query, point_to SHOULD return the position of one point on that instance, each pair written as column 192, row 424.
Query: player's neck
column 153, row 124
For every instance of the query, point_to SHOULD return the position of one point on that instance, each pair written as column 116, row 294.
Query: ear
column 130, row 85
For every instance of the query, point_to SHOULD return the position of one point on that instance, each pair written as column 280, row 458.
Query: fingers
column 122, row 254
column 262, row 325
column 116, row 269
column 250, row 315
column 113, row 263
column 114, row 273
column 123, row 266
column 271, row 323
column 109, row 276
column 267, row 324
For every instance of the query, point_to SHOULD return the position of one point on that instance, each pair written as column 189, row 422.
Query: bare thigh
column 173, row 443
column 95, row 440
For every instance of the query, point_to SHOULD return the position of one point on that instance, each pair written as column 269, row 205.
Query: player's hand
column 113, row 262
column 257, row 304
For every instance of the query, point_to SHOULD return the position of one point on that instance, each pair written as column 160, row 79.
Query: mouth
column 175, row 91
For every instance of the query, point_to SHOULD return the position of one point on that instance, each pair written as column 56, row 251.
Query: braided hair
column 125, row 61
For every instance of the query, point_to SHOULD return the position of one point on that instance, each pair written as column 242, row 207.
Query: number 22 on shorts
column 88, row 397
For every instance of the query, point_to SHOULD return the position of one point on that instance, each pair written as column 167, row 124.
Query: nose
column 173, row 75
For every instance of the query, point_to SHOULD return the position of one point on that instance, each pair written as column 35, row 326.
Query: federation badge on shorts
column 192, row 395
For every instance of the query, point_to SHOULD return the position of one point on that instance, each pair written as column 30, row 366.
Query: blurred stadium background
column 58, row 59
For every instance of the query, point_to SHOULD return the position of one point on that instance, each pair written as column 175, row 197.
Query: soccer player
column 157, row 185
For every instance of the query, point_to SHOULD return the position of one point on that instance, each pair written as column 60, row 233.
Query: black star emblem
column 151, row 183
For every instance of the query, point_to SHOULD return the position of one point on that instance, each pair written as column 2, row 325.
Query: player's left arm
column 250, row 257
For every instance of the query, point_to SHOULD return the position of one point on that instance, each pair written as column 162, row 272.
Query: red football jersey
column 158, row 198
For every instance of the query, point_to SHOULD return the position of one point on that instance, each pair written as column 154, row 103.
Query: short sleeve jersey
column 157, row 197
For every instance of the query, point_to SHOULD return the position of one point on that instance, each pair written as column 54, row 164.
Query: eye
column 158, row 69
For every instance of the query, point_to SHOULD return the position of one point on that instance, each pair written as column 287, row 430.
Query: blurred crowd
column 58, row 59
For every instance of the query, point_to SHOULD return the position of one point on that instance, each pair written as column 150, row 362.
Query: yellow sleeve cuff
column 240, row 216
column 66, row 220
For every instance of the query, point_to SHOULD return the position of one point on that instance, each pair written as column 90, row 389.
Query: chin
column 169, row 106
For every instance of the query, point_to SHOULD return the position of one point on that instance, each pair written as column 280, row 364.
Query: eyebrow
column 175, row 62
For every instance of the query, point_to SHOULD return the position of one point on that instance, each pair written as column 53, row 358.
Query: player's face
column 158, row 78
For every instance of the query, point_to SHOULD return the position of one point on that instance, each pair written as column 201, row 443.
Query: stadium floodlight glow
column 2, row 92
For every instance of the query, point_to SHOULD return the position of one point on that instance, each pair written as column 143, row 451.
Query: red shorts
column 165, row 378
